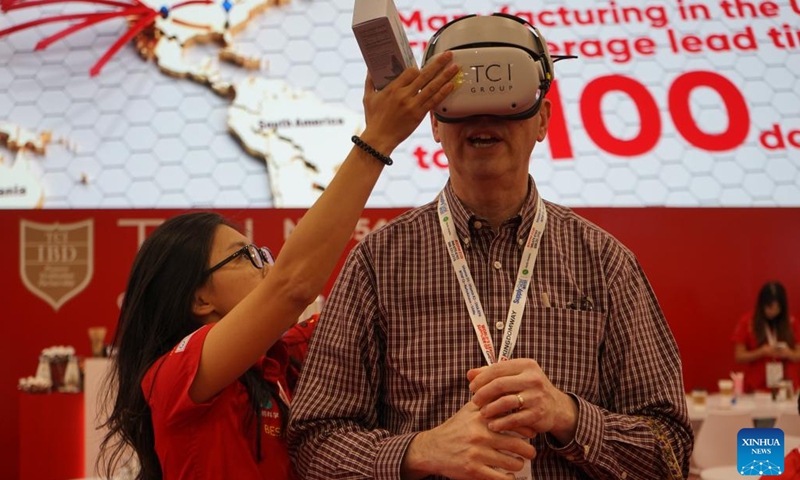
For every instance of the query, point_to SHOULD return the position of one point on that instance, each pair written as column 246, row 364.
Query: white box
column 383, row 42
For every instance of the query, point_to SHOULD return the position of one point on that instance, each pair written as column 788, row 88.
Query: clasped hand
column 516, row 395
column 475, row 443
column 770, row 351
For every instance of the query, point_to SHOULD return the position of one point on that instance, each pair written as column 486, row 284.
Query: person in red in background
column 766, row 340
column 791, row 467
column 203, row 377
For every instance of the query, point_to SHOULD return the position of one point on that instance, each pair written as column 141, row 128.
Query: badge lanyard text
column 519, row 296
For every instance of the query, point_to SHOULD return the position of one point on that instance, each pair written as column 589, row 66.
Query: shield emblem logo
column 56, row 260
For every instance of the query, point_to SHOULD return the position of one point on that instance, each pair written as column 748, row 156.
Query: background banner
column 673, row 102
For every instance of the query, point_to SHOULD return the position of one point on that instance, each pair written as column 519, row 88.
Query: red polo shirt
column 791, row 468
column 755, row 372
column 216, row 439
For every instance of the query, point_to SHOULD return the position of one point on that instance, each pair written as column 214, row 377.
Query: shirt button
column 570, row 458
column 498, row 325
column 624, row 475
column 466, row 240
column 477, row 224
column 521, row 242
column 586, row 451
column 497, row 265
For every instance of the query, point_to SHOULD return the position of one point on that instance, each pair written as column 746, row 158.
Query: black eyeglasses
column 258, row 257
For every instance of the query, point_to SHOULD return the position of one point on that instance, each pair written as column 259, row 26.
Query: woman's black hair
column 772, row 292
column 156, row 315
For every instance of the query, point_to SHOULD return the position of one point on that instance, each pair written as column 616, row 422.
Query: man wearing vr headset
column 491, row 331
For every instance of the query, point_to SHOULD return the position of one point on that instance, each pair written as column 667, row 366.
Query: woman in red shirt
column 766, row 340
column 203, row 374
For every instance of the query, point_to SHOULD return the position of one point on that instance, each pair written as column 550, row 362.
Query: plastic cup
column 699, row 398
column 725, row 392
column 738, row 383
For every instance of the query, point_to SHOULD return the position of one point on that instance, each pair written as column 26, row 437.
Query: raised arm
column 309, row 256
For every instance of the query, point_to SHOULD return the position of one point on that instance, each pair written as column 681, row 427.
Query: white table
column 759, row 405
column 729, row 472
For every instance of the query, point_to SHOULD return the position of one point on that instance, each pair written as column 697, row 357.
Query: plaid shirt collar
column 465, row 220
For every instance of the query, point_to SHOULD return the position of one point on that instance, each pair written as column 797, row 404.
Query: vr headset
column 506, row 69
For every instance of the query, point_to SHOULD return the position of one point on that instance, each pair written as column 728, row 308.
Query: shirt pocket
column 567, row 344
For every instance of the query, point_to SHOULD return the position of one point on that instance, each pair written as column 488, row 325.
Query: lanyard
column 282, row 393
column 470, row 293
column 771, row 340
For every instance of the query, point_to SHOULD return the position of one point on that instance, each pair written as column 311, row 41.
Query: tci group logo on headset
column 760, row 451
column 491, row 78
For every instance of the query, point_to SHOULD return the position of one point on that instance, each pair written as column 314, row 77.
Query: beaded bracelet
column 364, row 146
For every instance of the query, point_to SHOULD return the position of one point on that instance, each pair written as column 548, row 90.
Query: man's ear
column 544, row 120
column 435, row 128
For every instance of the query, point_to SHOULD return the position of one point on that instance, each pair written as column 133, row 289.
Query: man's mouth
column 482, row 140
